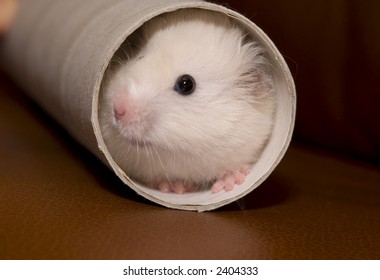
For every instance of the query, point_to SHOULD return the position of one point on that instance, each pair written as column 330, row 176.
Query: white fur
column 222, row 126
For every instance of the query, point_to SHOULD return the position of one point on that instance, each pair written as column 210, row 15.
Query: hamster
column 188, row 102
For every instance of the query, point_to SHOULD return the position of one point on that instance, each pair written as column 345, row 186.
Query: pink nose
column 119, row 112
column 131, row 114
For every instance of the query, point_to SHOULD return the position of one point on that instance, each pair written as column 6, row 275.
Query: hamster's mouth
column 140, row 143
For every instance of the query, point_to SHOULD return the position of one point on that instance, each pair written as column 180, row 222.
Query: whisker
column 161, row 163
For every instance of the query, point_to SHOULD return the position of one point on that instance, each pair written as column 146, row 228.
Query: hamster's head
column 195, row 85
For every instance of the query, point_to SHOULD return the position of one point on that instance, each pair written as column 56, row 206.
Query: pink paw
column 177, row 187
column 229, row 180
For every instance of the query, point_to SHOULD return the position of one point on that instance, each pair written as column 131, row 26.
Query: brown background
column 322, row 202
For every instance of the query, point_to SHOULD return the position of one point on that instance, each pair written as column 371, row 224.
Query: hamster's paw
column 177, row 187
column 229, row 180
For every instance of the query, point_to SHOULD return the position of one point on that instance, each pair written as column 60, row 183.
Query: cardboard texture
column 58, row 52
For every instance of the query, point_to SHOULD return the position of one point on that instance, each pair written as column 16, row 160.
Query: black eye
column 185, row 85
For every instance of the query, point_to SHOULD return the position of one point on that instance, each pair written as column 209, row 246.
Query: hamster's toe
column 230, row 180
column 177, row 187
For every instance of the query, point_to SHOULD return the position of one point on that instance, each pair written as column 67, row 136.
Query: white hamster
column 188, row 102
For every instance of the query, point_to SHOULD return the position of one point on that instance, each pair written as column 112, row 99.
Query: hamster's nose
column 119, row 112
column 131, row 113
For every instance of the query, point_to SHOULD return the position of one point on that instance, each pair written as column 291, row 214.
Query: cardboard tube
column 58, row 51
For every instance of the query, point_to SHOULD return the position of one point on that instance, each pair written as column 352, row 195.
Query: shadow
column 271, row 192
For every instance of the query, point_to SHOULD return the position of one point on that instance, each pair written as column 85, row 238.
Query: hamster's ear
column 265, row 81
column 257, row 80
column 257, row 71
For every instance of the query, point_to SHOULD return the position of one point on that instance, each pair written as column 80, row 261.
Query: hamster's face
column 185, row 89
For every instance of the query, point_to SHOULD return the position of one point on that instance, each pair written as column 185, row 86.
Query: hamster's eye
column 185, row 85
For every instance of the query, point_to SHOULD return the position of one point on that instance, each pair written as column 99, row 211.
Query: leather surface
column 58, row 202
